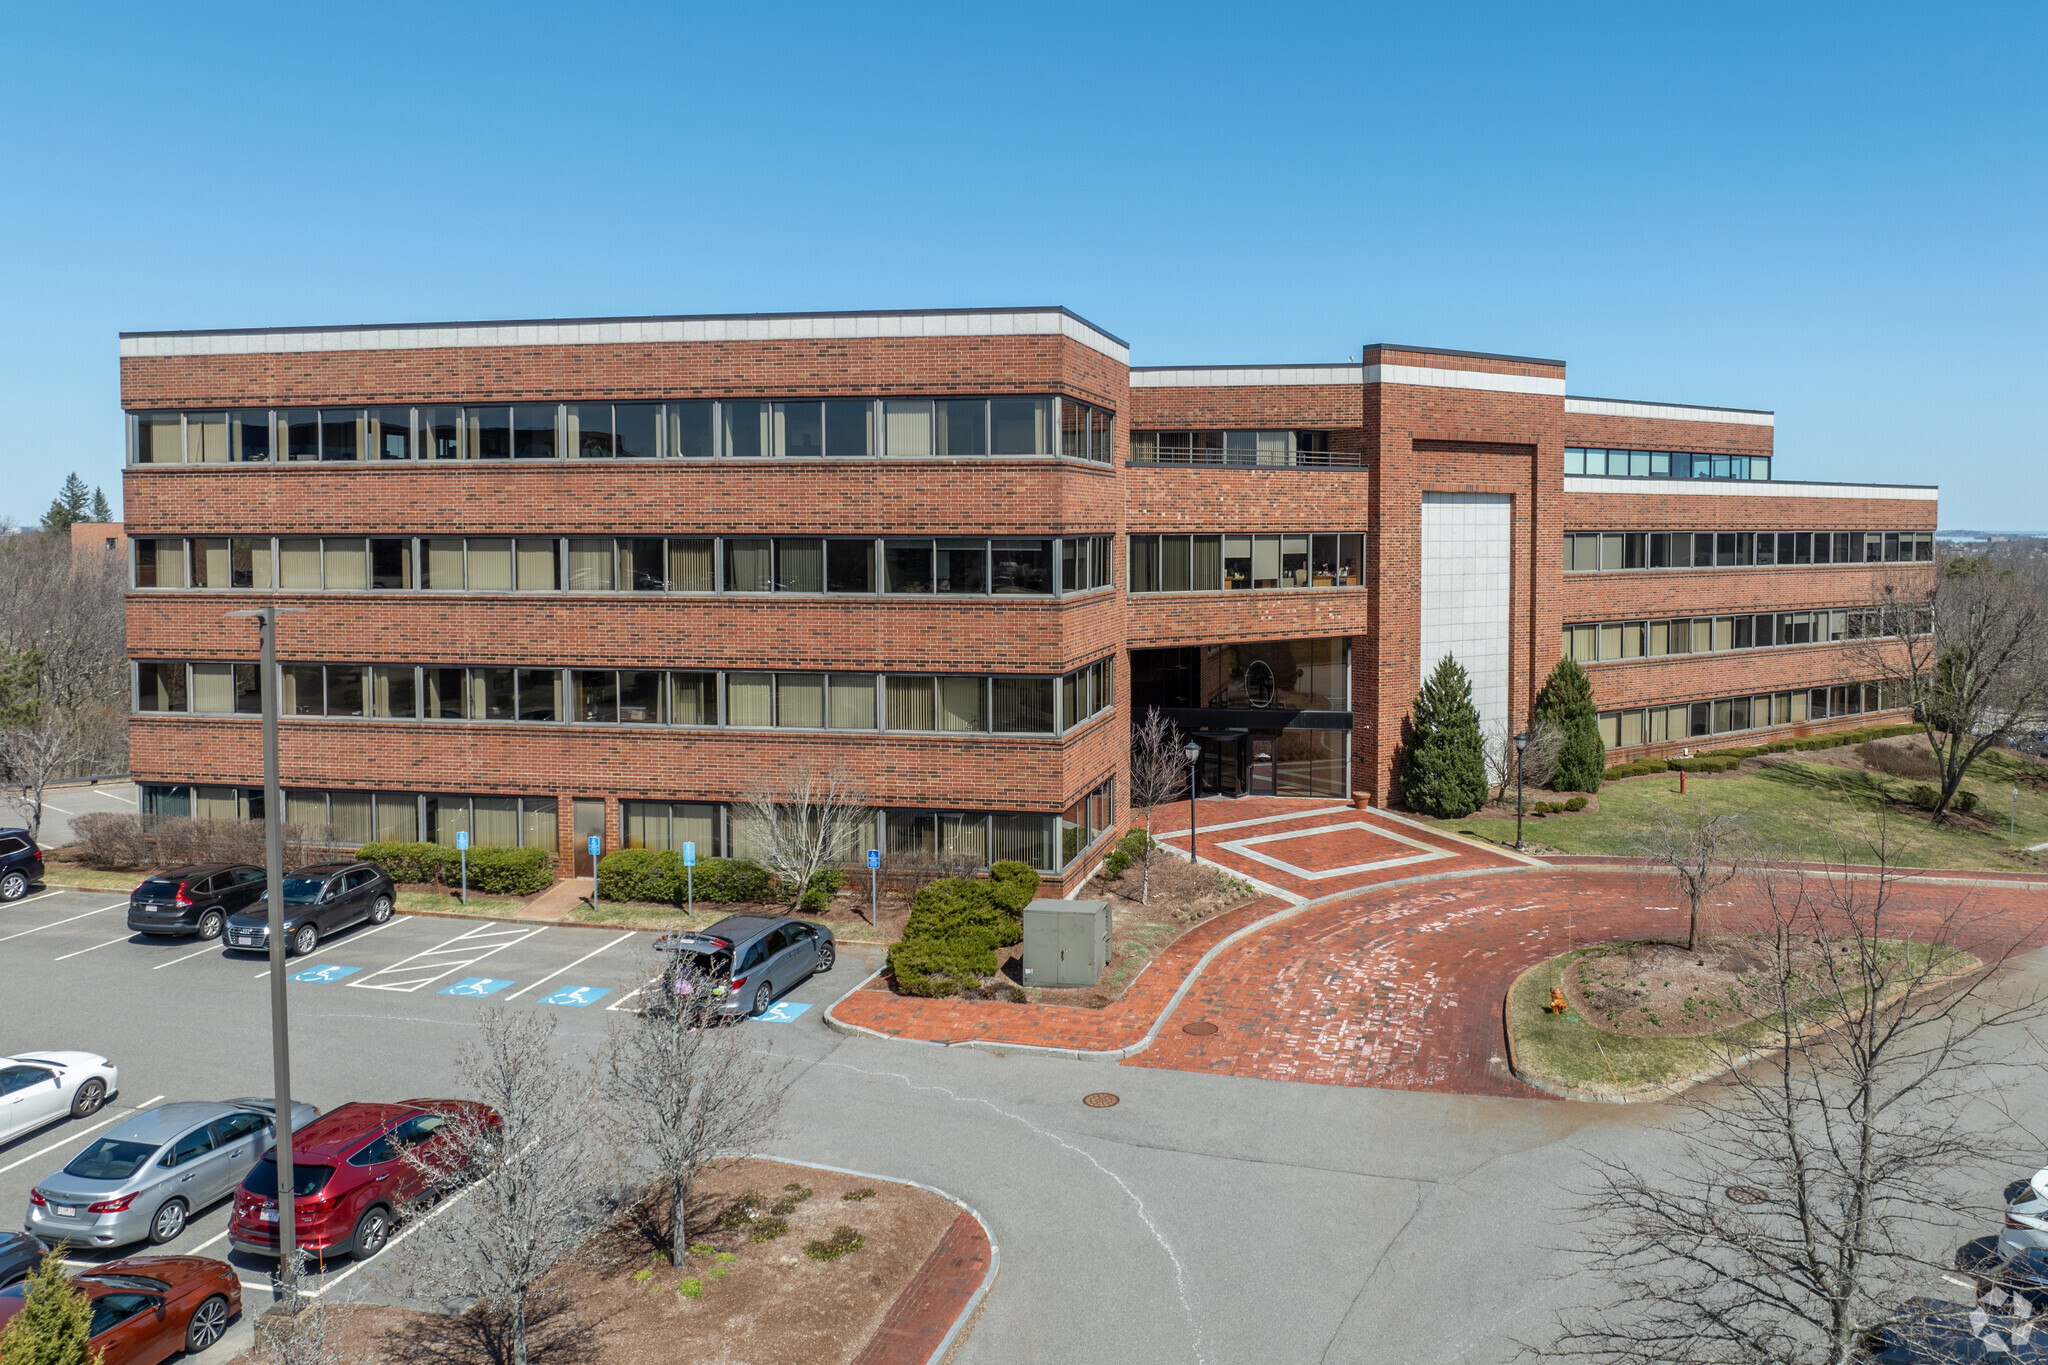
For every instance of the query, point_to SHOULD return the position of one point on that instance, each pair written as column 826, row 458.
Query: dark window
column 634, row 430
column 107, row 1158
column 196, row 1143
column 307, row 1181
column 303, row 695
column 849, row 566
column 592, row 423
column 961, row 566
column 539, row 693
column 533, row 431
column 494, row 693
column 377, row 1153
column 446, row 689
column 640, row 564
column 691, row 434
column 160, row 686
column 799, row 564
column 300, row 428
column 1023, row 706
column 963, row 426
column 1022, row 426
column 339, row 434
column 391, row 433
column 907, row 565
column 390, row 563
column 1021, row 566
column 440, row 437
column 640, row 696
column 800, row 429
column 344, row 690
column 744, row 423
column 490, row 433
column 251, row 435
column 235, row 1127
column 111, row 1310
column 596, row 695
column 850, row 429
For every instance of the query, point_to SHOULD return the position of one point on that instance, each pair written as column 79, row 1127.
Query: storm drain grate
column 1747, row 1194
column 1201, row 1028
column 1101, row 1099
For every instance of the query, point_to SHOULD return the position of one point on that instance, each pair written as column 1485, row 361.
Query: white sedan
column 2026, row 1216
column 38, row 1088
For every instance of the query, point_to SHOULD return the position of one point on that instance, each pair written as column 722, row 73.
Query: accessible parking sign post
column 462, row 852
column 690, row 875
column 874, row 893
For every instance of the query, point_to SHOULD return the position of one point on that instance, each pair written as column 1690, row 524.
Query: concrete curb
column 974, row 1300
column 1151, row 1034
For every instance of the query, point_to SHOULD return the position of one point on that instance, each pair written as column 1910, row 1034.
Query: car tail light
column 36, row 1197
column 111, row 1205
column 737, row 982
column 183, row 897
column 2013, row 1222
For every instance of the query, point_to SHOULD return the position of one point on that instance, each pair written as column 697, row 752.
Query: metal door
column 588, row 816
column 1076, row 950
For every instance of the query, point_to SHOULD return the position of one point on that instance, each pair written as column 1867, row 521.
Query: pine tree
column 101, row 512
column 1443, row 771
column 70, row 504
column 54, row 1326
column 1567, row 702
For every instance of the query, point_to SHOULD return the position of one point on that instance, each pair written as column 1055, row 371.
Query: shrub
column 1576, row 803
column 510, row 871
column 855, row 1196
column 1707, row 763
column 935, row 969
column 842, row 1242
column 959, row 910
column 730, row 880
column 768, row 1229
column 1642, row 767
column 1013, row 884
column 1443, row 764
column 1566, row 701
column 640, row 874
column 1925, row 797
column 691, row 1288
column 1128, row 850
column 825, row 884
column 743, row 1210
column 787, row 1204
column 123, row 842
column 1965, row 801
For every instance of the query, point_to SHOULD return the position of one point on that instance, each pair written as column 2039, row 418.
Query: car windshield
column 142, row 1282
column 303, row 890
column 110, row 1159
column 306, row 1180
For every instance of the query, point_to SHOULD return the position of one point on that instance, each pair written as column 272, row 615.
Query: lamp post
column 1521, row 743
column 1193, row 751
column 273, row 868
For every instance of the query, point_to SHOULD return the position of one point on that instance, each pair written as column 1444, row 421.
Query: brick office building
column 604, row 576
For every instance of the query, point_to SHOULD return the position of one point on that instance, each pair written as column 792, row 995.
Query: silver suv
column 747, row 960
column 148, row 1176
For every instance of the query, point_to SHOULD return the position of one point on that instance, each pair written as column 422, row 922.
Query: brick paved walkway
column 934, row 1300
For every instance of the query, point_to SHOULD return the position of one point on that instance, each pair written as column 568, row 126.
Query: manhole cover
column 1101, row 1099
column 1747, row 1194
column 1201, row 1028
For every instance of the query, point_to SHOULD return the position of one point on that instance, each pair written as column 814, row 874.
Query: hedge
column 929, row 968
column 1721, row 760
column 1013, row 885
column 955, row 926
column 649, row 874
column 499, row 871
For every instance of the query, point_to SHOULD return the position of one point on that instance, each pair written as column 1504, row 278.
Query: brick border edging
column 974, row 1301
column 1151, row 1034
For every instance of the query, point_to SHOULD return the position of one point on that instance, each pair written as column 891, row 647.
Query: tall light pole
column 1521, row 743
column 273, row 870
column 1193, row 751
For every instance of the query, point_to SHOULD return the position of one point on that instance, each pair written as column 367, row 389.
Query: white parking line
column 40, row 895
column 573, row 965
column 77, row 1133
column 211, row 1240
column 196, row 952
column 22, row 933
column 95, row 948
column 352, row 938
column 429, row 965
column 620, row 1003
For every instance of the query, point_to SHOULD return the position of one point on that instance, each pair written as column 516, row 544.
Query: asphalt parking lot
column 376, row 1013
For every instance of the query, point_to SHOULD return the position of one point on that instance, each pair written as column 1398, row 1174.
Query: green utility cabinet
column 1066, row 943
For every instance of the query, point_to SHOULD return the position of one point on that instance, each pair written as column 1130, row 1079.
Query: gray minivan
column 148, row 1176
column 747, row 959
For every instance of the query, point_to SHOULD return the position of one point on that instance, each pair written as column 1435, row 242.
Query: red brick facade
column 1422, row 420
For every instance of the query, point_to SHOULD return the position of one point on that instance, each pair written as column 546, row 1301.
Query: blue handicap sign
column 595, row 840
column 325, row 971
column 782, row 1012
column 689, row 854
column 576, row 995
column 476, row 985
column 461, row 839
column 874, row 858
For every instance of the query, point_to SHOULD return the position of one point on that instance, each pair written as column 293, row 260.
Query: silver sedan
column 148, row 1176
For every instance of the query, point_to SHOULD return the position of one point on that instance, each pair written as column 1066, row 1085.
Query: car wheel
column 168, row 1223
column 826, row 957
column 304, row 940
column 89, row 1098
column 211, row 923
column 13, row 886
column 380, row 910
column 373, row 1229
column 763, row 998
column 209, row 1323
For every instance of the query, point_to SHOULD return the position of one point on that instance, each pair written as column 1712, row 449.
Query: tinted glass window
column 383, row 1149
column 306, row 1180
column 303, row 890
column 196, row 1143
column 235, row 1127
column 110, row 1159
column 111, row 1310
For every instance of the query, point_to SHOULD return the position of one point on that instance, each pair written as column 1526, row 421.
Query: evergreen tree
column 1567, row 702
column 101, row 512
column 54, row 1326
column 1443, row 771
column 71, row 504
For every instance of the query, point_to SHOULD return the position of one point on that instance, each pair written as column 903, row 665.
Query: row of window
column 1697, row 720
column 1242, row 449
column 1176, row 563
column 605, row 696
column 1584, row 551
column 1609, row 640
column 1665, row 464
column 1044, row 841
column 969, row 565
column 740, row 429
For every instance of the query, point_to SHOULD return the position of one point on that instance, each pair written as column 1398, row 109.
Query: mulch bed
column 1659, row 990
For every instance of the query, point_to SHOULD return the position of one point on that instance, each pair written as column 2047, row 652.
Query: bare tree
column 1538, row 762
column 526, row 1184
column 684, row 1090
column 1808, row 1197
column 72, row 611
column 1159, row 775
column 53, row 744
column 296, row 1330
column 1967, row 648
column 1704, row 851
column 803, row 822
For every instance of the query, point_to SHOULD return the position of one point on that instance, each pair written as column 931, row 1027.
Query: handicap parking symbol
column 576, row 995
column 782, row 1012
column 324, row 971
column 476, row 985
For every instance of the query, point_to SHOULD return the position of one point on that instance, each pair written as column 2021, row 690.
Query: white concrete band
column 1667, row 412
column 1423, row 376
column 1747, row 488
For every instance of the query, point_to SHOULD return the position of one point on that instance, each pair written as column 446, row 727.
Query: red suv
column 350, row 1180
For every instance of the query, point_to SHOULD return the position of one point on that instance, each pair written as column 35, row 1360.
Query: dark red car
column 351, row 1180
column 149, row 1308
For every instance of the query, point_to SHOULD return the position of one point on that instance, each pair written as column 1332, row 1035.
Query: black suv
column 319, row 900
column 193, row 900
column 21, row 863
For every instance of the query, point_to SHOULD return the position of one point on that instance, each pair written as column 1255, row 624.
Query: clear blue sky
column 1835, row 212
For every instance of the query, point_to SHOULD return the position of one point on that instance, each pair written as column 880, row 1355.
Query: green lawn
column 1810, row 810
column 434, row 903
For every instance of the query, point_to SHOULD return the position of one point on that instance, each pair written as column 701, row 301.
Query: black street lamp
column 1521, row 743
column 1194, row 756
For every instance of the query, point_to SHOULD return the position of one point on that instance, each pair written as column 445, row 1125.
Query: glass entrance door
column 1220, row 773
column 1259, row 770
